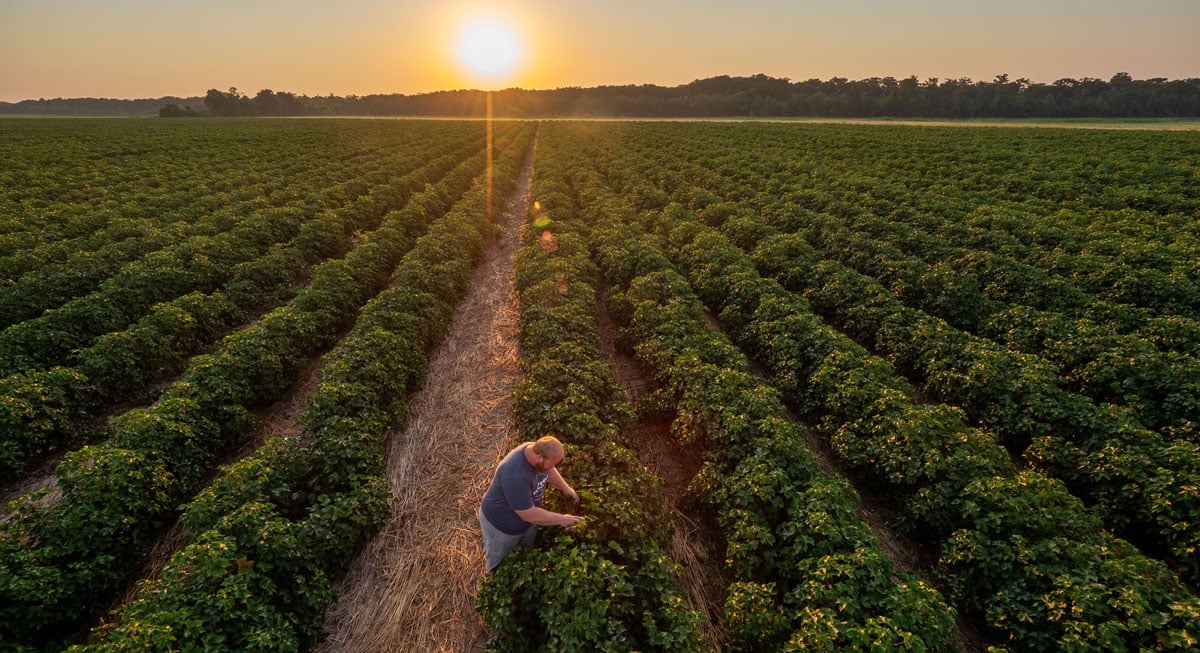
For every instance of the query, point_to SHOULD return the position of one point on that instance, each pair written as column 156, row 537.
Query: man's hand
column 568, row 520
column 574, row 496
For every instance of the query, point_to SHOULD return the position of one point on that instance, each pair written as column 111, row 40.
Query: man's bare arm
column 543, row 517
column 557, row 481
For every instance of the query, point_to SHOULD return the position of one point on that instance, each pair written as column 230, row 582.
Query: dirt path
column 412, row 588
column 44, row 477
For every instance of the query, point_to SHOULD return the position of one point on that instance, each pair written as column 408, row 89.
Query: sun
column 488, row 47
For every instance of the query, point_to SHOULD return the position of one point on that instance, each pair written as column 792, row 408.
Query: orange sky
column 138, row 48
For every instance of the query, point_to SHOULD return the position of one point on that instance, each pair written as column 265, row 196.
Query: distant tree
column 223, row 105
column 270, row 103
column 172, row 110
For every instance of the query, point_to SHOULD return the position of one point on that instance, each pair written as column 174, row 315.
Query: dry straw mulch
column 412, row 587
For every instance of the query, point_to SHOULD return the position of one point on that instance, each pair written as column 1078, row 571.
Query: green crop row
column 196, row 264
column 270, row 166
column 269, row 536
column 49, row 283
column 927, row 455
column 57, row 561
column 1112, row 352
column 1138, row 482
column 118, row 238
column 73, row 179
column 1085, row 208
column 44, row 410
column 65, row 181
column 1119, row 264
column 946, row 212
column 200, row 263
column 1116, row 354
column 1017, row 549
column 604, row 585
column 809, row 573
column 1143, row 485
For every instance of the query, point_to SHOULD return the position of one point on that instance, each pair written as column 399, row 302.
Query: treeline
column 98, row 106
column 723, row 96
column 760, row 95
column 765, row 96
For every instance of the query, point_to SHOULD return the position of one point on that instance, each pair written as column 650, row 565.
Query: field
column 823, row 386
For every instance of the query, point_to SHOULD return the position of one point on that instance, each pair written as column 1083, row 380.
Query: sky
column 150, row 49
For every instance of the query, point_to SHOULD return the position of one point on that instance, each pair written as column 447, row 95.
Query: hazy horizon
column 133, row 49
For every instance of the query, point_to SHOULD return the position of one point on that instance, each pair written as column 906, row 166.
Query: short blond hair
column 548, row 446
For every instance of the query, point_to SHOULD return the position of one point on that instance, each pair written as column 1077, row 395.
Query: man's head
column 546, row 453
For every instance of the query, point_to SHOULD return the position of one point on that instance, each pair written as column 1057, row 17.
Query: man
column 512, row 506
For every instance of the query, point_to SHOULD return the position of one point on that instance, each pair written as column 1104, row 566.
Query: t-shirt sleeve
column 516, row 492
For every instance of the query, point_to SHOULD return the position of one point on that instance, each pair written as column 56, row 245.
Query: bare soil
column 698, row 544
column 43, row 477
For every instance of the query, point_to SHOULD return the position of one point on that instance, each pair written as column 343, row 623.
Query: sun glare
column 488, row 48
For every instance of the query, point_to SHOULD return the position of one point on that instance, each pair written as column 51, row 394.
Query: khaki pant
column 497, row 544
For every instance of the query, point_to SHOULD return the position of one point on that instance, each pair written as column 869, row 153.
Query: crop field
column 982, row 343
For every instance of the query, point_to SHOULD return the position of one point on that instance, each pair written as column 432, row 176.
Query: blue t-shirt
column 517, row 485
